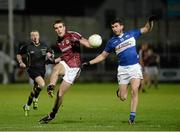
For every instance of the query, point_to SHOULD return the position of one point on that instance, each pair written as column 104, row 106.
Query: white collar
column 121, row 35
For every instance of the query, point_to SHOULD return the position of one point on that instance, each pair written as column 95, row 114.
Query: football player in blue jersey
column 129, row 69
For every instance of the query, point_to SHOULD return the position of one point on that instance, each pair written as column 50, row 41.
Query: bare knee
column 134, row 93
column 42, row 85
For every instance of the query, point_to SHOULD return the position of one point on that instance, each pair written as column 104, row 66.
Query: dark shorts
column 34, row 72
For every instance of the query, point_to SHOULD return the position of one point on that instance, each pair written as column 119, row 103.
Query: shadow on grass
column 71, row 121
column 135, row 121
column 65, row 121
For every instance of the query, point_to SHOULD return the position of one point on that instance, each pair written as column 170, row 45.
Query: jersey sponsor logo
column 43, row 51
column 125, row 45
column 64, row 42
column 31, row 52
column 65, row 45
column 66, row 48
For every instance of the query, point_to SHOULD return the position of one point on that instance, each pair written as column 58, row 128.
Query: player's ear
column 65, row 29
column 122, row 27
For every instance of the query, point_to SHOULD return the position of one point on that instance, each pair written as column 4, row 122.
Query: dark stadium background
column 88, row 17
column 91, row 103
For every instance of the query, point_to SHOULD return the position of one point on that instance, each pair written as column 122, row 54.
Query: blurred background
column 19, row 17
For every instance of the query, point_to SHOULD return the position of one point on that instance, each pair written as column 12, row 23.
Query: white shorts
column 126, row 73
column 70, row 73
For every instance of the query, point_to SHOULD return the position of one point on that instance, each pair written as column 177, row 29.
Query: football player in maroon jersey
column 67, row 65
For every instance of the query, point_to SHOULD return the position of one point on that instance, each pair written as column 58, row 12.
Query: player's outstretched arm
column 149, row 25
column 85, row 42
column 98, row 59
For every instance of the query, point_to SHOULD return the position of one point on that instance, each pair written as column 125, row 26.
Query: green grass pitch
column 92, row 107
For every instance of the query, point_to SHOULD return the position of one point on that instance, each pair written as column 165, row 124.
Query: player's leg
column 59, row 98
column 123, row 80
column 32, row 94
column 33, row 97
column 37, row 77
column 26, row 107
column 135, row 83
column 40, row 85
column 58, row 69
column 70, row 75
column 122, row 92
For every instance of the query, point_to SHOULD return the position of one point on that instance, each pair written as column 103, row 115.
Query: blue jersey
column 125, row 47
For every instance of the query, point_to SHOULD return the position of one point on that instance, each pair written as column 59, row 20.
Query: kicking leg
column 59, row 98
column 57, row 70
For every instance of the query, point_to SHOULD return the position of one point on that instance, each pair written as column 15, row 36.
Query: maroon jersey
column 70, row 48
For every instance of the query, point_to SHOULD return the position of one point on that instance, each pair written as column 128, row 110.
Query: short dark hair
column 118, row 20
column 58, row 21
column 34, row 31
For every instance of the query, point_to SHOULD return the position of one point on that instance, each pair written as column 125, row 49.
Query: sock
column 30, row 99
column 132, row 116
column 27, row 106
column 57, row 104
column 50, row 87
column 37, row 91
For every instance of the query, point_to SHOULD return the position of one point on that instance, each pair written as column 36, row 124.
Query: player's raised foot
column 51, row 93
column 50, row 90
column 35, row 103
column 131, row 122
column 26, row 109
column 46, row 119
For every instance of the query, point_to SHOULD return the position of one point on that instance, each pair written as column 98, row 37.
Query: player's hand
column 50, row 61
column 22, row 65
column 85, row 64
column 152, row 18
